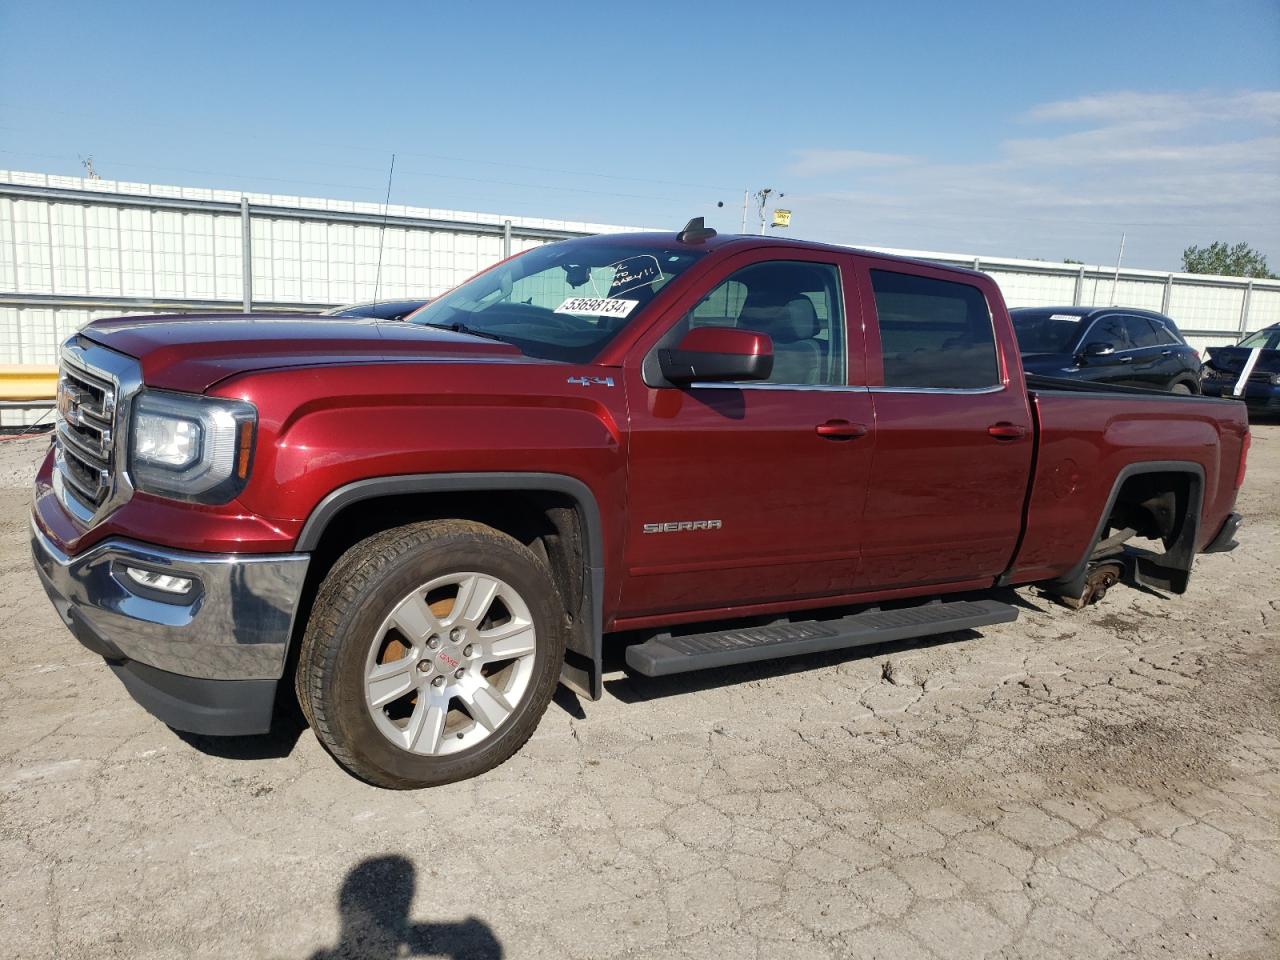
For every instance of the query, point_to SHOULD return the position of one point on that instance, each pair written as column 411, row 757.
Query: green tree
column 1240, row 260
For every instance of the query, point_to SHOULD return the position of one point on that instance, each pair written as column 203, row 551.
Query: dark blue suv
column 1119, row 346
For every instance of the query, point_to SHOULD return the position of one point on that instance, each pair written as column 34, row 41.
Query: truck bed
column 1091, row 439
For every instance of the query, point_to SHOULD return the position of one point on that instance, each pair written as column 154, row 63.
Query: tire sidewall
column 343, row 687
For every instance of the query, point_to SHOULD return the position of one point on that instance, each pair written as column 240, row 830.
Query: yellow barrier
column 31, row 382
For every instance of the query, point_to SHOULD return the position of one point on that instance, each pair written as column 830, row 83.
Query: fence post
column 1075, row 300
column 246, row 253
column 1244, row 308
column 506, row 239
column 1167, row 299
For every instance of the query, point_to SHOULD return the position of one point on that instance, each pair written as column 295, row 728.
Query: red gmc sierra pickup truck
column 733, row 448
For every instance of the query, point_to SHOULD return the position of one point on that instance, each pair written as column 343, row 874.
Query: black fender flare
column 589, row 642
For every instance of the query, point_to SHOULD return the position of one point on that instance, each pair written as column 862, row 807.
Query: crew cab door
column 735, row 495
column 953, row 429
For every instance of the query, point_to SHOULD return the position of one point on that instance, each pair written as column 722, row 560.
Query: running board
column 666, row 654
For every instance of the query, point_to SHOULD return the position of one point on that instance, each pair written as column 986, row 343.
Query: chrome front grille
column 94, row 387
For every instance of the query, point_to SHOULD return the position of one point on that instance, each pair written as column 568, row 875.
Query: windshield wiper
column 463, row 328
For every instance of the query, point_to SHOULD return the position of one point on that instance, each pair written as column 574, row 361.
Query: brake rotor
column 1100, row 578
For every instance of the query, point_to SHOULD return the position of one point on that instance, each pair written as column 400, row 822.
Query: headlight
column 191, row 448
column 1213, row 373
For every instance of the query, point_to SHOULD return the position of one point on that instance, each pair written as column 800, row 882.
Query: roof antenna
column 695, row 231
column 383, row 232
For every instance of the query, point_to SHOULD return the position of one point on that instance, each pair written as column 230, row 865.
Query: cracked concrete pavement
column 1070, row 785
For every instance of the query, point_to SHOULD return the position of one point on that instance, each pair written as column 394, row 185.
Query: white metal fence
column 72, row 250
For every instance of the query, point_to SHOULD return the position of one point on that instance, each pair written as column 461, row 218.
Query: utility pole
column 745, row 195
column 89, row 172
column 762, row 200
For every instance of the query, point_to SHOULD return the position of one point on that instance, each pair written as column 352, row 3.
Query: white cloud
column 1175, row 109
column 1170, row 168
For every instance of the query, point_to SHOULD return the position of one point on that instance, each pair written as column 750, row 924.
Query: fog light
column 159, row 581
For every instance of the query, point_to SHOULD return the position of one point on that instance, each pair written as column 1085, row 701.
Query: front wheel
column 431, row 653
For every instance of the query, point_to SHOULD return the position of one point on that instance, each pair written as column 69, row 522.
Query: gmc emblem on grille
column 681, row 526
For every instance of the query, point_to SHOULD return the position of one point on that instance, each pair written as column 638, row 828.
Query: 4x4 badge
column 592, row 381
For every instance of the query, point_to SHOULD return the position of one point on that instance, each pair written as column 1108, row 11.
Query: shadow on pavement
column 568, row 701
column 374, row 908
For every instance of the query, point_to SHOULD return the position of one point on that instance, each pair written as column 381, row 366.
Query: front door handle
column 1007, row 431
column 840, row 430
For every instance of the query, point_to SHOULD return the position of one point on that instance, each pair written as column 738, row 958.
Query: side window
column 1164, row 336
column 1141, row 332
column 934, row 333
column 1111, row 330
column 797, row 304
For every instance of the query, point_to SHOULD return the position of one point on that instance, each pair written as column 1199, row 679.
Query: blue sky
column 1034, row 130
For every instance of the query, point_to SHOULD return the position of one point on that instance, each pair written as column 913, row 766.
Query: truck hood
column 193, row 352
column 1232, row 359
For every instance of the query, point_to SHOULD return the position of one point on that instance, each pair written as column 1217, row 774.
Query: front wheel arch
column 579, row 570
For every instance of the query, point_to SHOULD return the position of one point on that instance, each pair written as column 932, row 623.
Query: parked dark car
column 1119, row 346
column 1249, row 371
column 378, row 309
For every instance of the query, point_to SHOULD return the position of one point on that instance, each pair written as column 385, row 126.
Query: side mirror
column 718, row 354
column 1099, row 348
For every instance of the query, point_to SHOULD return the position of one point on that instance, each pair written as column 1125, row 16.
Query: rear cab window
column 934, row 334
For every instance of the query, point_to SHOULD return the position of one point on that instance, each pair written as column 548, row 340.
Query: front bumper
column 1259, row 397
column 208, row 662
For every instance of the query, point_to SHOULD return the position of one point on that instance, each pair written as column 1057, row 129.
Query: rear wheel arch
column 1166, row 499
column 555, row 515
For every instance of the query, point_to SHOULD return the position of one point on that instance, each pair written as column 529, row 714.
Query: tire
column 366, row 622
column 1182, row 388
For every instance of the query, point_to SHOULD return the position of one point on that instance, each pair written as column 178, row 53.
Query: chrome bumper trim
column 237, row 627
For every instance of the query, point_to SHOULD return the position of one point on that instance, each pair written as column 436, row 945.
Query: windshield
column 1043, row 331
column 1268, row 339
column 561, row 301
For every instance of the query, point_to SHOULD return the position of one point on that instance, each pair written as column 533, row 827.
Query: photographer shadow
column 374, row 906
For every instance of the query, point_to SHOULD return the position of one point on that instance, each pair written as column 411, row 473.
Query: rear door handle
column 840, row 430
column 1007, row 431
